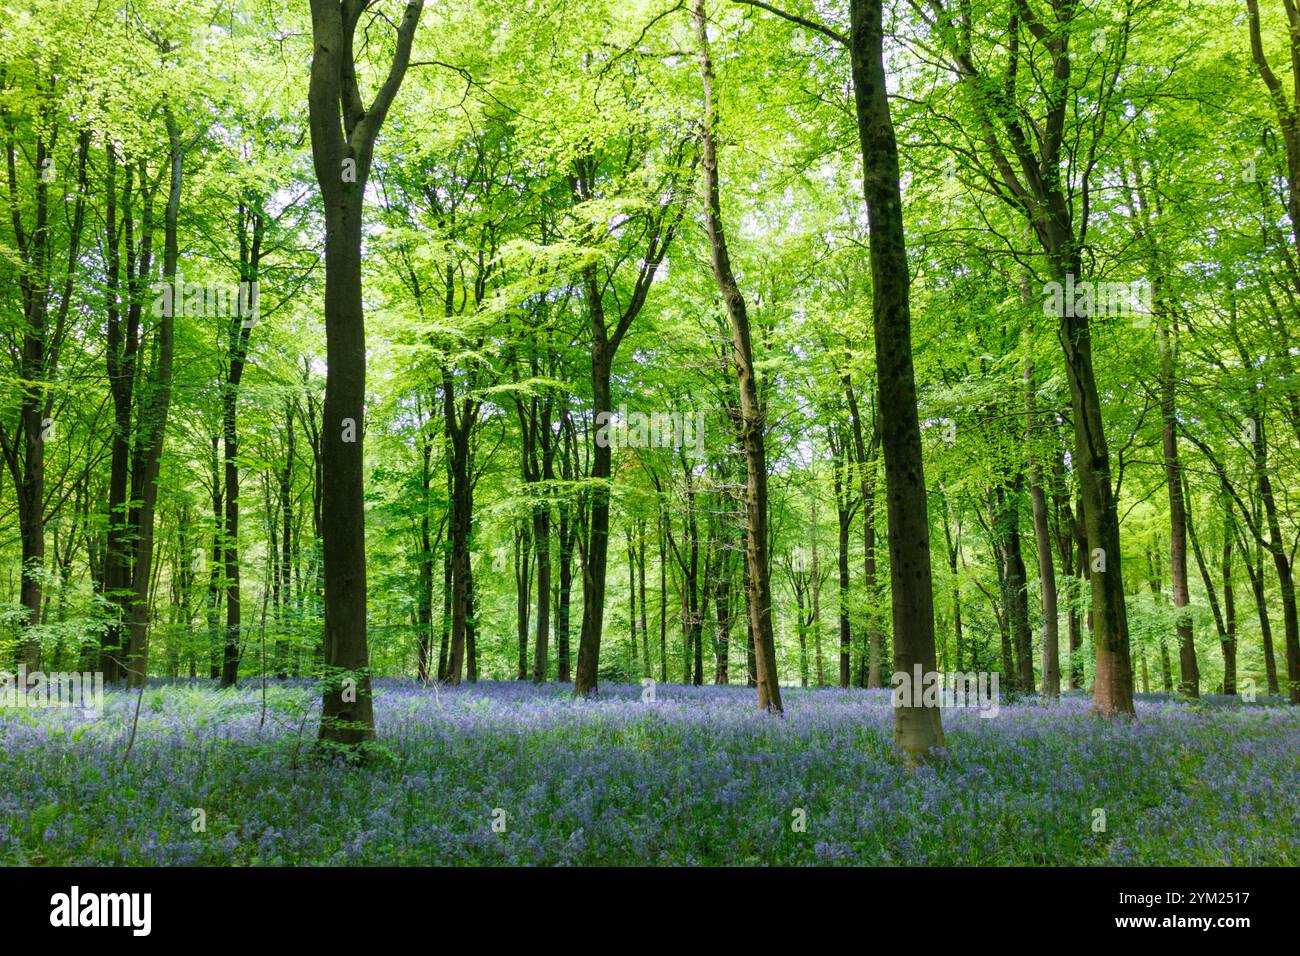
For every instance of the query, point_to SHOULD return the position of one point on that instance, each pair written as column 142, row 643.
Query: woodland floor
column 504, row 773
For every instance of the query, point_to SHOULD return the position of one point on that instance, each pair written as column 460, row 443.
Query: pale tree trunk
column 631, row 592
column 645, row 634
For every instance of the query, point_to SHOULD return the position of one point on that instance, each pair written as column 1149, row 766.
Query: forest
column 650, row 432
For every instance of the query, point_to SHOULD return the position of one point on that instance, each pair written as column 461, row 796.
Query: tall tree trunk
column 542, row 542
column 1015, row 579
column 605, row 340
column 424, row 598
column 523, row 595
column 751, row 411
column 803, row 635
column 38, row 359
column 1043, row 545
column 817, row 603
column 645, row 636
column 1190, row 680
column 1112, row 691
column 216, row 569
column 458, row 429
column 342, row 138
column 846, row 635
column 1281, row 564
column 593, row 575
column 471, row 633
column 917, row 729
column 122, row 348
column 722, row 620
column 1255, row 571
column 1225, row 625
column 1229, row 642
column 663, row 599
column 444, row 642
column 156, row 401
column 286, row 535
column 866, row 456
column 631, row 601
column 236, row 354
column 568, row 536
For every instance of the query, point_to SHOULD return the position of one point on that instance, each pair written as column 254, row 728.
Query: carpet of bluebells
column 696, row 777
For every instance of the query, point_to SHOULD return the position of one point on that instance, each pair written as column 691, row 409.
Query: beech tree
column 829, row 235
column 343, row 133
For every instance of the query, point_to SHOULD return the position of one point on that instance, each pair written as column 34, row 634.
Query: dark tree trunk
column 342, row 138
column 1225, row 617
column 37, row 359
column 147, row 460
column 817, row 603
column 568, row 537
column 1043, row 545
column 1190, row 681
column 523, row 595
column 459, row 427
column 846, row 635
column 917, row 729
column 722, row 618
column 593, row 577
column 1229, row 642
column 236, row 355
column 631, row 601
column 122, row 348
column 1255, row 571
column 471, row 633
column 286, row 534
column 661, row 227
column 1281, row 564
column 866, row 457
column 215, row 641
column 1017, row 579
column 424, row 597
